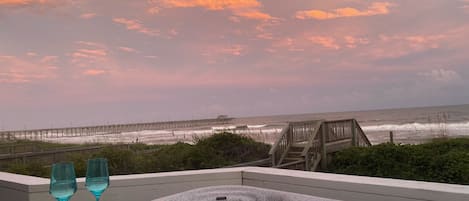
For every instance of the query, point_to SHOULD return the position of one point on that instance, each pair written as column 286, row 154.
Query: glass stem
column 97, row 198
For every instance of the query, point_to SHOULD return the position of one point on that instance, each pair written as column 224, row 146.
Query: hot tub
column 238, row 193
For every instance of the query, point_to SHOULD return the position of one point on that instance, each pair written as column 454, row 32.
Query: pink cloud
column 327, row 42
column 151, row 57
column 93, row 52
column 31, row 54
column 94, row 72
column 88, row 43
column 153, row 10
column 310, row 42
column 418, row 40
column 82, row 58
column 89, row 54
column 235, row 50
column 353, row 42
column 249, row 9
column 234, row 19
column 49, row 59
column 376, row 8
column 32, row 3
column 87, row 15
column 466, row 4
column 212, row 5
column 288, row 43
column 128, row 49
column 263, row 30
column 15, row 70
column 17, row 2
column 136, row 25
column 391, row 46
column 256, row 15
column 173, row 32
column 219, row 53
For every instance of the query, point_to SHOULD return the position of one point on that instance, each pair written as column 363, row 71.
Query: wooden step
column 299, row 145
column 293, row 158
column 295, row 152
column 290, row 163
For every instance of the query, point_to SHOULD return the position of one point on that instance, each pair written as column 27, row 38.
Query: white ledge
column 364, row 180
column 146, row 187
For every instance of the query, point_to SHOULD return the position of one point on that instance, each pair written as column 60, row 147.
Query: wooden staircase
column 305, row 145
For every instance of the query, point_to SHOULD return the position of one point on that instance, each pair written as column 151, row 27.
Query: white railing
column 146, row 187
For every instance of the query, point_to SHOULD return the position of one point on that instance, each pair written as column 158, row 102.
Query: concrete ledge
column 146, row 187
column 18, row 187
column 347, row 187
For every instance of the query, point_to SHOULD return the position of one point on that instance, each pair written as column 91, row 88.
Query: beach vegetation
column 218, row 150
column 441, row 160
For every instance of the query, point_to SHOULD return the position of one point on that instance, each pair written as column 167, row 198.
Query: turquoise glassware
column 62, row 181
column 97, row 176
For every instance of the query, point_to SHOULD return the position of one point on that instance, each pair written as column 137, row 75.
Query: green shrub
column 233, row 148
column 215, row 151
column 32, row 168
column 79, row 161
column 120, row 161
column 442, row 160
column 173, row 157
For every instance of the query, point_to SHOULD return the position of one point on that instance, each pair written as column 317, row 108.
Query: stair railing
column 339, row 129
column 313, row 147
column 363, row 141
column 314, row 132
column 302, row 130
column 308, row 134
column 280, row 146
column 295, row 132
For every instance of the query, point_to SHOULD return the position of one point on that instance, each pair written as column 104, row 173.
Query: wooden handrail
column 336, row 135
column 340, row 120
column 311, row 138
column 362, row 134
column 301, row 123
column 274, row 147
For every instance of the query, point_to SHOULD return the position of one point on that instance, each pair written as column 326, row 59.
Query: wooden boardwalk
column 306, row 145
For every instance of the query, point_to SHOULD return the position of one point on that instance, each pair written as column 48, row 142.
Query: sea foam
column 418, row 126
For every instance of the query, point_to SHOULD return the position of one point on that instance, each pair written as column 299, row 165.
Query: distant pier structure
column 39, row 134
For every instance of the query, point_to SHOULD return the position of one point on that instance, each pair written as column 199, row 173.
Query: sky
column 84, row 62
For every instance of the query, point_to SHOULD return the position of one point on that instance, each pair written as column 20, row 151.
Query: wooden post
column 323, row 146
column 391, row 137
column 354, row 133
column 273, row 159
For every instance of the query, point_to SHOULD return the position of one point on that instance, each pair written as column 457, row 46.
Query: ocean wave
column 257, row 126
column 418, row 126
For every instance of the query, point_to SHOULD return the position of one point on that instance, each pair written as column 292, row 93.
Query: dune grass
column 441, row 160
column 215, row 151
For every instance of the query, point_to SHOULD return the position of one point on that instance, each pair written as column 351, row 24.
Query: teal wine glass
column 97, row 176
column 62, row 181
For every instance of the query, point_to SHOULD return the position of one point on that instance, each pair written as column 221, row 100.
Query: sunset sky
column 84, row 62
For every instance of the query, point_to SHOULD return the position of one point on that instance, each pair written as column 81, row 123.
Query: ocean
column 409, row 125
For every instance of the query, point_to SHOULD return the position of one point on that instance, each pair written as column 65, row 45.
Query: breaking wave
column 418, row 126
